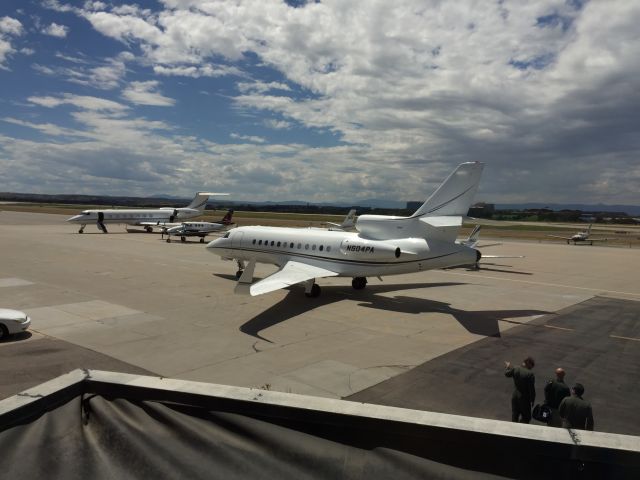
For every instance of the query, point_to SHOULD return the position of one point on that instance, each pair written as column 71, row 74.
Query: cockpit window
column 226, row 235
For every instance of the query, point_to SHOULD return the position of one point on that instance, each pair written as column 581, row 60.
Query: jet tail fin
column 455, row 195
column 199, row 202
column 350, row 220
column 227, row 219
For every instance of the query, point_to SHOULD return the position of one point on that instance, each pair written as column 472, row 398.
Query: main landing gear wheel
column 81, row 231
column 238, row 274
column 201, row 240
column 168, row 240
column 183, row 239
column 358, row 283
column 315, row 291
column 148, row 229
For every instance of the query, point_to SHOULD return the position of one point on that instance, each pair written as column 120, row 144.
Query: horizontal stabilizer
column 443, row 229
column 439, row 222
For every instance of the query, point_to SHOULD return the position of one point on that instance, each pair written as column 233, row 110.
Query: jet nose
column 74, row 218
column 215, row 243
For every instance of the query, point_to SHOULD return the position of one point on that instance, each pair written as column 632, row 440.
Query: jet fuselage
column 133, row 216
column 346, row 253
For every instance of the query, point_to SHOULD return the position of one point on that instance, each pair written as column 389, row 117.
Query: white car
column 13, row 321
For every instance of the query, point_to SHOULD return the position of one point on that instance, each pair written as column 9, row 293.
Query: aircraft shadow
column 101, row 233
column 484, row 266
column 491, row 269
column 483, row 322
column 480, row 322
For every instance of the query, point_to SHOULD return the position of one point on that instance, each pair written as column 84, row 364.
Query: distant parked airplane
column 348, row 223
column 139, row 216
column 580, row 237
column 383, row 245
column 198, row 229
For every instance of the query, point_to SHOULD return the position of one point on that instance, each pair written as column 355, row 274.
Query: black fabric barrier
column 101, row 438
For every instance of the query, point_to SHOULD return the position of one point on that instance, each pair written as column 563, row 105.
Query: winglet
column 246, row 279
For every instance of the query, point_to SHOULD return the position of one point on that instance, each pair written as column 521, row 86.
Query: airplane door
column 236, row 239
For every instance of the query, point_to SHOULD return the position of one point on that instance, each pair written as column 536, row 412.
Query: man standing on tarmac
column 576, row 413
column 524, row 393
column 554, row 392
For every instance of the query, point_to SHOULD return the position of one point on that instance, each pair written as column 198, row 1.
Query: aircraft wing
column 290, row 274
column 159, row 224
column 502, row 256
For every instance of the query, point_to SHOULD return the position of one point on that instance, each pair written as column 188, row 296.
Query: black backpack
column 541, row 413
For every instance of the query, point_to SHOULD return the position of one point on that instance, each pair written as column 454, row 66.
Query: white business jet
column 382, row 245
column 198, row 229
column 581, row 237
column 147, row 217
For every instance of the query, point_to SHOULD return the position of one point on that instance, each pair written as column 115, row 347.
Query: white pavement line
column 559, row 328
column 544, row 284
column 625, row 338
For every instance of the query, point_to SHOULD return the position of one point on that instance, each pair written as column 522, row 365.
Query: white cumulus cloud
column 56, row 30
column 9, row 27
column 145, row 93
column 409, row 89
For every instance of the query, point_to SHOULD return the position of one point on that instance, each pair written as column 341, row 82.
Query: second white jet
column 382, row 245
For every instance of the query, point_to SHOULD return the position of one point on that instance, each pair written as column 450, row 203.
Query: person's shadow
column 482, row 322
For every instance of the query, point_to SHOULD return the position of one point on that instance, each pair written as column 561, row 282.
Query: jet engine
column 369, row 249
column 382, row 227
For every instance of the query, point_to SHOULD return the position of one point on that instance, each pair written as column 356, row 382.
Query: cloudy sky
column 335, row 100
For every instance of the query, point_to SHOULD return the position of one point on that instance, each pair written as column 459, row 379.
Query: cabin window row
column 124, row 215
column 292, row 245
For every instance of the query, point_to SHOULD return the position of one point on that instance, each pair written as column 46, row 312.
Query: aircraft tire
column 315, row 291
column 3, row 332
column 81, row 231
column 168, row 240
column 358, row 283
column 183, row 239
column 202, row 240
column 238, row 274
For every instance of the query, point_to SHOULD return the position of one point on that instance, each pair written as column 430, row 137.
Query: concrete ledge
column 467, row 442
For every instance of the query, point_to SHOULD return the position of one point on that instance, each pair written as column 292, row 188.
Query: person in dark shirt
column 554, row 392
column 524, row 393
column 576, row 412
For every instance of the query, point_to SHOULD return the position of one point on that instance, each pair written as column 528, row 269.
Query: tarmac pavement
column 169, row 309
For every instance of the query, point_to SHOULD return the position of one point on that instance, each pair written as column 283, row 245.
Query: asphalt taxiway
column 169, row 309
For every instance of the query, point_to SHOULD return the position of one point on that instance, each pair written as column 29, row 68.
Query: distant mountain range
column 633, row 210
column 161, row 199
